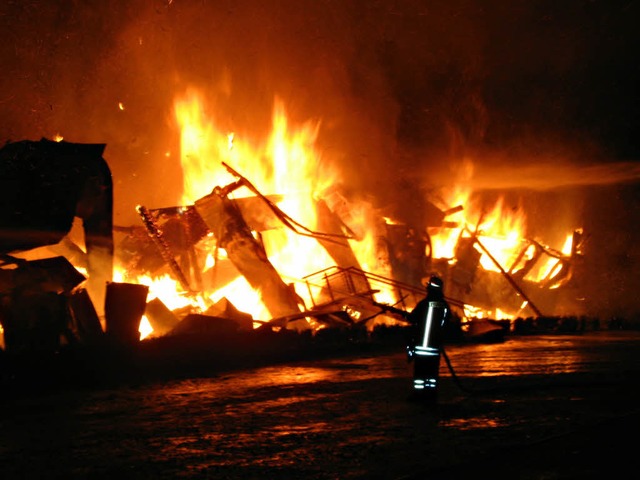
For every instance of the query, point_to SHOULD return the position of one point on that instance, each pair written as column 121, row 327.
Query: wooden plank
column 225, row 220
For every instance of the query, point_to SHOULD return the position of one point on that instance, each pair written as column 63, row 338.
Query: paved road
column 557, row 406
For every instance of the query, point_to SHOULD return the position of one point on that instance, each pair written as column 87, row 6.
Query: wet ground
column 535, row 407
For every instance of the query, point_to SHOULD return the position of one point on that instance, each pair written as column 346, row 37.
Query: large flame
column 502, row 238
column 286, row 163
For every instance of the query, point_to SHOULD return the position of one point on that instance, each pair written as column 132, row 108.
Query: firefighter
column 425, row 345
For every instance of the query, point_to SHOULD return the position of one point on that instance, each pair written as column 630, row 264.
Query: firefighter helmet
column 435, row 283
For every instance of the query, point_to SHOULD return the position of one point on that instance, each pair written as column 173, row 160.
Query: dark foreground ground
column 533, row 407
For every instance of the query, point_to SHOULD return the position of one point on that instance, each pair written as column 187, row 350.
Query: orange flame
column 287, row 164
column 502, row 230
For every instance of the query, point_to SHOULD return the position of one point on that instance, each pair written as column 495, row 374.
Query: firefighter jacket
column 427, row 319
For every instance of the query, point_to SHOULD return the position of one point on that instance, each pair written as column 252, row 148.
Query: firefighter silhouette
column 425, row 345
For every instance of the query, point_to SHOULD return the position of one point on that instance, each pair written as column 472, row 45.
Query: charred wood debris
column 46, row 309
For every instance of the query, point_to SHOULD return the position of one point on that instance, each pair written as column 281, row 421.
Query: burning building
column 283, row 158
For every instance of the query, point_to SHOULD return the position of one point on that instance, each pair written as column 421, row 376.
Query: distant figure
column 427, row 320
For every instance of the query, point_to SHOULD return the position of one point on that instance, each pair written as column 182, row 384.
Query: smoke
column 551, row 176
column 400, row 87
column 405, row 91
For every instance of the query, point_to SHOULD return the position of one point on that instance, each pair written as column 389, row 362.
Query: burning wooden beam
column 157, row 236
column 225, row 220
column 511, row 281
column 338, row 245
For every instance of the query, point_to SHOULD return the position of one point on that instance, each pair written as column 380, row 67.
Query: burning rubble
column 233, row 258
column 234, row 216
column 266, row 237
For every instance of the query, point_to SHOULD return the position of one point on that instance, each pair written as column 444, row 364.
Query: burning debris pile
column 47, row 302
column 202, row 249
column 284, row 250
column 225, row 221
column 342, row 295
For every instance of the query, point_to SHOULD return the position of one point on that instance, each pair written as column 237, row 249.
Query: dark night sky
column 404, row 90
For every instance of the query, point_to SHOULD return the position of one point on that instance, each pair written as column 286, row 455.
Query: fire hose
column 454, row 376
